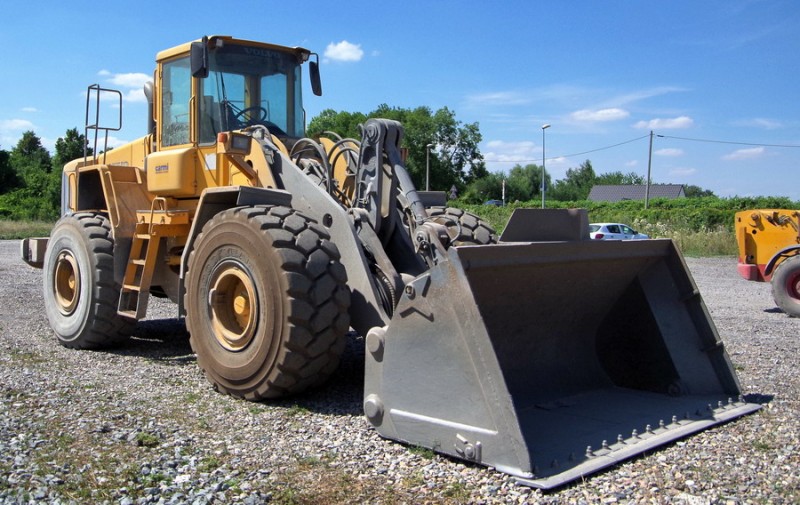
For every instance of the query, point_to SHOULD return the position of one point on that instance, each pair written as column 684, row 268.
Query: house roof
column 618, row 192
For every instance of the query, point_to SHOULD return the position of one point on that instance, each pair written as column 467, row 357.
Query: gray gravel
column 139, row 424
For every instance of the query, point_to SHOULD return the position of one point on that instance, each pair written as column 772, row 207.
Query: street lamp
column 428, row 167
column 544, row 127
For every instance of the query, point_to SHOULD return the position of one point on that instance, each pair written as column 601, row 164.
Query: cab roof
column 184, row 48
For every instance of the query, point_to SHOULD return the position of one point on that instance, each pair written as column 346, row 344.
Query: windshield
column 251, row 85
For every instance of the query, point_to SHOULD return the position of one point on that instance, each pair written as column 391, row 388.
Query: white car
column 614, row 231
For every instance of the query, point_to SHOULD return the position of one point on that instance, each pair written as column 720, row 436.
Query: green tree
column 69, row 147
column 455, row 158
column 39, row 193
column 30, row 159
column 697, row 192
column 525, row 183
column 8, row 176
column 344, row 124
column 489, row 187
column 619, row 178
column 577, row 184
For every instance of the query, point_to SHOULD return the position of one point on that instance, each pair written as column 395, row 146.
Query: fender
column 780, row 255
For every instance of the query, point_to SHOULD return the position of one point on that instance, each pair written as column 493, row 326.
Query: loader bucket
column 550, row 360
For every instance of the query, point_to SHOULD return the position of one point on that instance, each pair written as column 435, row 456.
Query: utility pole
column 544, row 172
column 649, row 165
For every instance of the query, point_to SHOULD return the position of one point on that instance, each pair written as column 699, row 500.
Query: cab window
column 175, row 101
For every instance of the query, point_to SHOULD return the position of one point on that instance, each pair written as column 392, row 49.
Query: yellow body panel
column 172, row 173
column 761, row 234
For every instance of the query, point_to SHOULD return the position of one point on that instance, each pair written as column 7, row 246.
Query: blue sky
column 601, row 73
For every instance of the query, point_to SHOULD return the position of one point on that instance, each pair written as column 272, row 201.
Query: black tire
column 80, row 294
column 266, row 302
column 468, row 228
column 786, row 286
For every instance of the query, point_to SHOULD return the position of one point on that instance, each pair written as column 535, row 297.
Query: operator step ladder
column 151, row 227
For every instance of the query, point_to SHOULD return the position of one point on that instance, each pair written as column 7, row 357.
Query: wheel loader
column 540, row 353
column 769, row 251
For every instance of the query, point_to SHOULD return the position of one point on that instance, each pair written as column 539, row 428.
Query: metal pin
column 589, row 451
column 730, row 401
column 648, row 429
column 710, row 408
column 741, row 398
column 605, row 444
column 634, row 434
column 661, row 424
column 720, row 404
column 620, row 440
column 674, row 419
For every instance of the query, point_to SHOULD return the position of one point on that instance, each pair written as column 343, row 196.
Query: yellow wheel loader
column 769, row 251
column 541, row 353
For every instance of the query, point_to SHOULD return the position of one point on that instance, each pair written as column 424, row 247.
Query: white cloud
column 499, row 98
column 745, row 154
column 30, row 109
column 632, row 163
column 672, row 152
column 760, row 122
column 683, row 172
column 344, row 51
column 130, row 84
column 588, row 115
column 500, row 151
column 15, row 125
column 666, row 124
column 129, row 80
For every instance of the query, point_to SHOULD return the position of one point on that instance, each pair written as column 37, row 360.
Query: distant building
column 619, row 192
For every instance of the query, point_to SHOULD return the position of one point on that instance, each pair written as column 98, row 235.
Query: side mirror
column 316, row 82
column 199, row 58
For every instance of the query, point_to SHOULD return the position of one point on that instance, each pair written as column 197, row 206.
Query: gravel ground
column 139, row 424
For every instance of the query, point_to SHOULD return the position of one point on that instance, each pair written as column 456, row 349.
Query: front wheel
column 80, row 294
column 266, row 302
column 467, row 228
column 786, row 286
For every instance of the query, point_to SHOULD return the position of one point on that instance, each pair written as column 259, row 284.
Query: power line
column 644, row 137
column 575, row 154
column 728, row 142
column 603, row 148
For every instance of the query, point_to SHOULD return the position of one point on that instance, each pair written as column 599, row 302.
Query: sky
column 715, row 81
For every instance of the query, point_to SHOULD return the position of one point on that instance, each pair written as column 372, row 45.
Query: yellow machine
column 769, row 251
column 542, row 353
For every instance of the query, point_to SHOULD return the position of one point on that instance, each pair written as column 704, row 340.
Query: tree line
column 30, row 178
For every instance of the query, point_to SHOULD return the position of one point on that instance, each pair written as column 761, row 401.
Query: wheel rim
column 66, row 283
column 793, row 286
column 234, row 306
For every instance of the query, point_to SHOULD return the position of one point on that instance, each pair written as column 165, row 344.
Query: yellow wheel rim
column 67, row 283
column 234, row 308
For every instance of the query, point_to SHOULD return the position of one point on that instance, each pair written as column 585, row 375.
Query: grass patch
column 11, row 230
column 421, row 451
column 297, row 410
column 144, row 439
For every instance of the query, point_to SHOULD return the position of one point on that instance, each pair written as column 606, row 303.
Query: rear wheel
column 786, row 286
column 266, row 301
column 80, row 294
column 468, row 228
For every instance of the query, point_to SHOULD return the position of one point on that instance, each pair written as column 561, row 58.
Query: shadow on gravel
column 758, row 398
column 163, row 340
column 167, row 341
column 342, row 393
column 773, row 310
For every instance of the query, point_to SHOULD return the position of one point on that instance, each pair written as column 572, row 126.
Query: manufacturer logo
column 162, row 169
